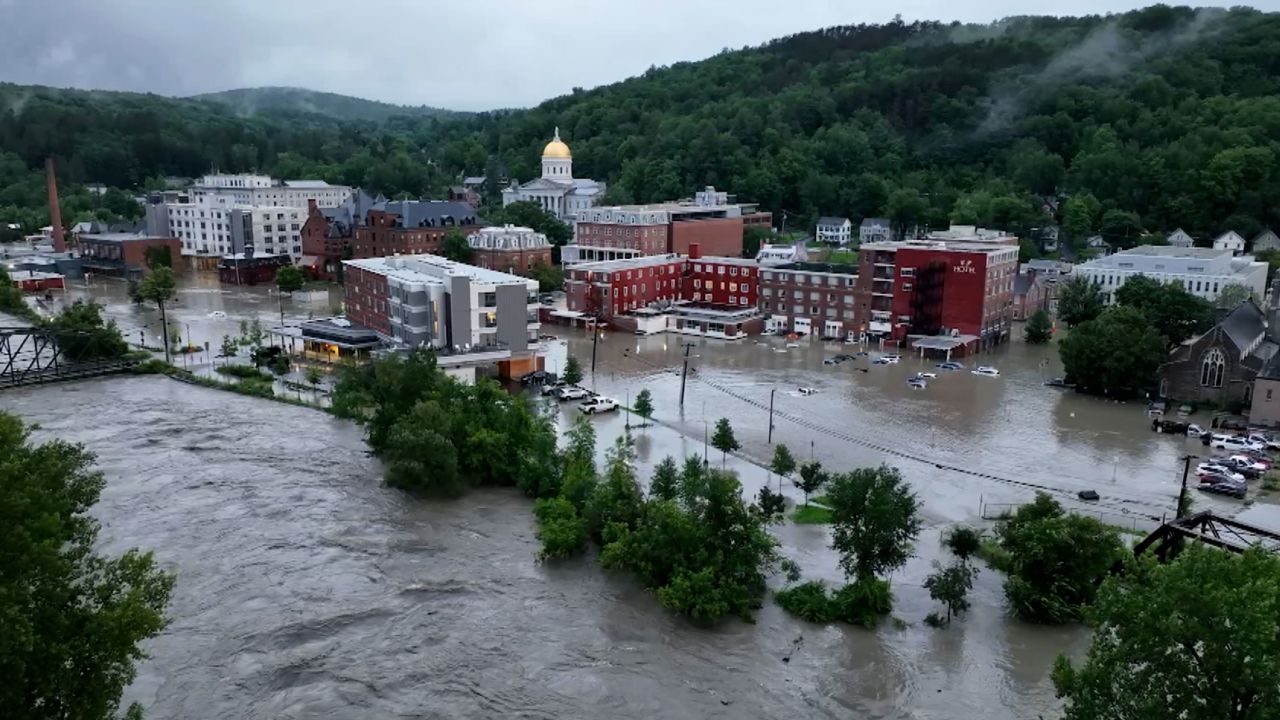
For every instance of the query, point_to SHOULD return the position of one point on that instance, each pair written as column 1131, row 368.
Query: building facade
column 709, row 220
column 1264, row 408
column 927, row 288
column 429, row 301
column 833, row 230
column 874, row 230
column 1180, row 238
column 810, row 298
column 237, row 214
column 1203, row 272
column 124, row 255
column 1229, row 240
column 245, row 269
column 557, row 191
column 328, row 234
column 1220, row 365
column 510, row 249
column 411, row 227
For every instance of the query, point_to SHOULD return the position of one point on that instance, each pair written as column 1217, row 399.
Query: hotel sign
column 964, row 267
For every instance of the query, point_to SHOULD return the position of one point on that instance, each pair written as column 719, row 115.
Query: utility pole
column 685, row 373
column 1182, row 494
column 595, row 340
column 771, row 392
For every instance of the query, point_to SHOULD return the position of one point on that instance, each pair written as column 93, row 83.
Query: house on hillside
column 1028, row 295
column 833, row 230
column 1265, row 240
column 1099, row 246
column 1180, row 238
column 1229, row 240
column 874, row 230
column 1220, row 365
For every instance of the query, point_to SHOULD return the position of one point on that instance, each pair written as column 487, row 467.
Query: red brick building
column 367, row 299
column 411, row 227
column 710, row 221
column 510, row 249
column 260, row 269
column 616, row 287
column 125, row 254
column 930, row 288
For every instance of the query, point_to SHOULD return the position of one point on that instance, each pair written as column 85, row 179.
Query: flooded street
column 307, row 589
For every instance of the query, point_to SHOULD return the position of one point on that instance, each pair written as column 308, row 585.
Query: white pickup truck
column 598, row 404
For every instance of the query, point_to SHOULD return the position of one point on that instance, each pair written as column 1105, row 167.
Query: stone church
column 1220, row 365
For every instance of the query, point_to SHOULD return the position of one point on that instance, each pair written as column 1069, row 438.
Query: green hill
column 248, row 101
column 1123, row 124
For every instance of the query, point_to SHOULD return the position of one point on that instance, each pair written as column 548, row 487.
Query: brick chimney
column 55, row 211
column 695, row 251
column 311, row 206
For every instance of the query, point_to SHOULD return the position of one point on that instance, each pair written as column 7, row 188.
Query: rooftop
column 432, row 268
column 307, row 184
column 607, row 266
column 121, row 237
column 725, row 260
column 828, row 220
column 834, row 268
column 1171, row 251
column 429, row 213
column 949, row 246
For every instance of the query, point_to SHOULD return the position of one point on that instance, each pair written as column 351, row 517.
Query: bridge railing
column 37, row 354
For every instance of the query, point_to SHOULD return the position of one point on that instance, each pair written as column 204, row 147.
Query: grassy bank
column 811, row 515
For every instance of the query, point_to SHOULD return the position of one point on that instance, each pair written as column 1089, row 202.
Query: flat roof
column 121, row 237
column 32, row 275
column 432, row 268
column 340, row 332
column 941, row 342
column 724, row 260
column 1173, row 251
column 627, row 263
column 946, row 245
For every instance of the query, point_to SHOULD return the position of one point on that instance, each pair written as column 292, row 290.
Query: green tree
column 230, row 348
column 1039, row 328
column 812, row 478
column 419, row 454
column 1117, row 354
column 950, row 586
column 456, row 247
column 572, row 371
column 288, row 280
column 1232, row 294
column 875, row 521
column 1194, row 638
column 73, row 619
column 1120, row 228
column 665, row 484
column 644, row 404
column 313, row 377
column 772, row 505
column 1172, row 311
column 82, row 335
column 1078, row 215
column 1056, row 560
column 753, row 237
column 159, row 256
column 963, row 542
column 783, row 464
column 904, row 208
column 550, row 277
column 617, row 503
column 561, row 530
column 1079, row 300
column 527, row 213
column 723, row 440
column 160, row 287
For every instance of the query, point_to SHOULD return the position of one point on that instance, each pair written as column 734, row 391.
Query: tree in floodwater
column 724, row 440
column 572, row 371
column 160, row 287
column 1195, row 638
column 812, row 478
column 72, row 619
column 1039, row 328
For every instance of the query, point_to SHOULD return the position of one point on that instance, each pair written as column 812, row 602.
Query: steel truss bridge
column 36, row 355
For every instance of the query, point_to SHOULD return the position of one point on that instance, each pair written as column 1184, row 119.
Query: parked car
column 1244, row 462
column 552, row 388
column 1223, row 486
column 950, row 365
column 1268, row 441
column 537, row 377
column 598, row 404
column 1216, row 469
column 571, row 392
column 1231, row 442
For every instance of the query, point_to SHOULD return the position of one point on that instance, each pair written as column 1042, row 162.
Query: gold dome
column 556, row 148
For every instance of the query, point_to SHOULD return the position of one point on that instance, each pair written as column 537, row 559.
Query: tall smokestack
column 55, row 212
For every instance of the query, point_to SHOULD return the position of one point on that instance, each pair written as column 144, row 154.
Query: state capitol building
column 557, row 191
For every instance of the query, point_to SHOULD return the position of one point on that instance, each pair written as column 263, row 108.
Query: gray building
column 874, row 230
column 1202, row 271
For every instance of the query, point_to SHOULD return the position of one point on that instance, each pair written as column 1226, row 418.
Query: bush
column 244, row 372
column 808, row 601
column 255, row 388
column 560, row 529
column 278, row 364
column 863, row 602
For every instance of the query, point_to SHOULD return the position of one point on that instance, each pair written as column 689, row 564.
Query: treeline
column 1149, row 120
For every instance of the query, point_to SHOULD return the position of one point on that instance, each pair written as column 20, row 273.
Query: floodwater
column 307, row 589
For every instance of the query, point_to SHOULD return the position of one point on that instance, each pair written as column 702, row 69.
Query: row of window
column 719, row 269
column 733, row 287
column 733, row 299
column 813, row 310
column 809, row 279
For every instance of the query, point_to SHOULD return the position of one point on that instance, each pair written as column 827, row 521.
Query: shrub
column 807, row 601
column 244, row 372
column 863, row 602
column 560, row 529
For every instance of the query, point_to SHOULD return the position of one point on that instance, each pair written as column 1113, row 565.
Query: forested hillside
column 1150, row 120
column 250, row 101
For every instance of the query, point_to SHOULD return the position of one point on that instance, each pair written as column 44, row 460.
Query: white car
column 891, row 359
column 571, row 393
column 598, row 404
column 1267, row 441
column 1248, row 462
column 1214, row 468
column 1233, row 442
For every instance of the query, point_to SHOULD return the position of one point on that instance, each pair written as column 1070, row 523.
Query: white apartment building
column 1202, row 271
column 227, row 214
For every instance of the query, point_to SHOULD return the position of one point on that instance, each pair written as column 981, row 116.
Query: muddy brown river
column 306, row 589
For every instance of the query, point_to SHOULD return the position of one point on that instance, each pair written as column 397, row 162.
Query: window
column 908, row 272
column 1211, row 367
column 733, row 271
column 1268, row 393
column 906, row 286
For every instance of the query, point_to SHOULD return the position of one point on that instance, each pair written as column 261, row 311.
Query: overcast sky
column 459, row 54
